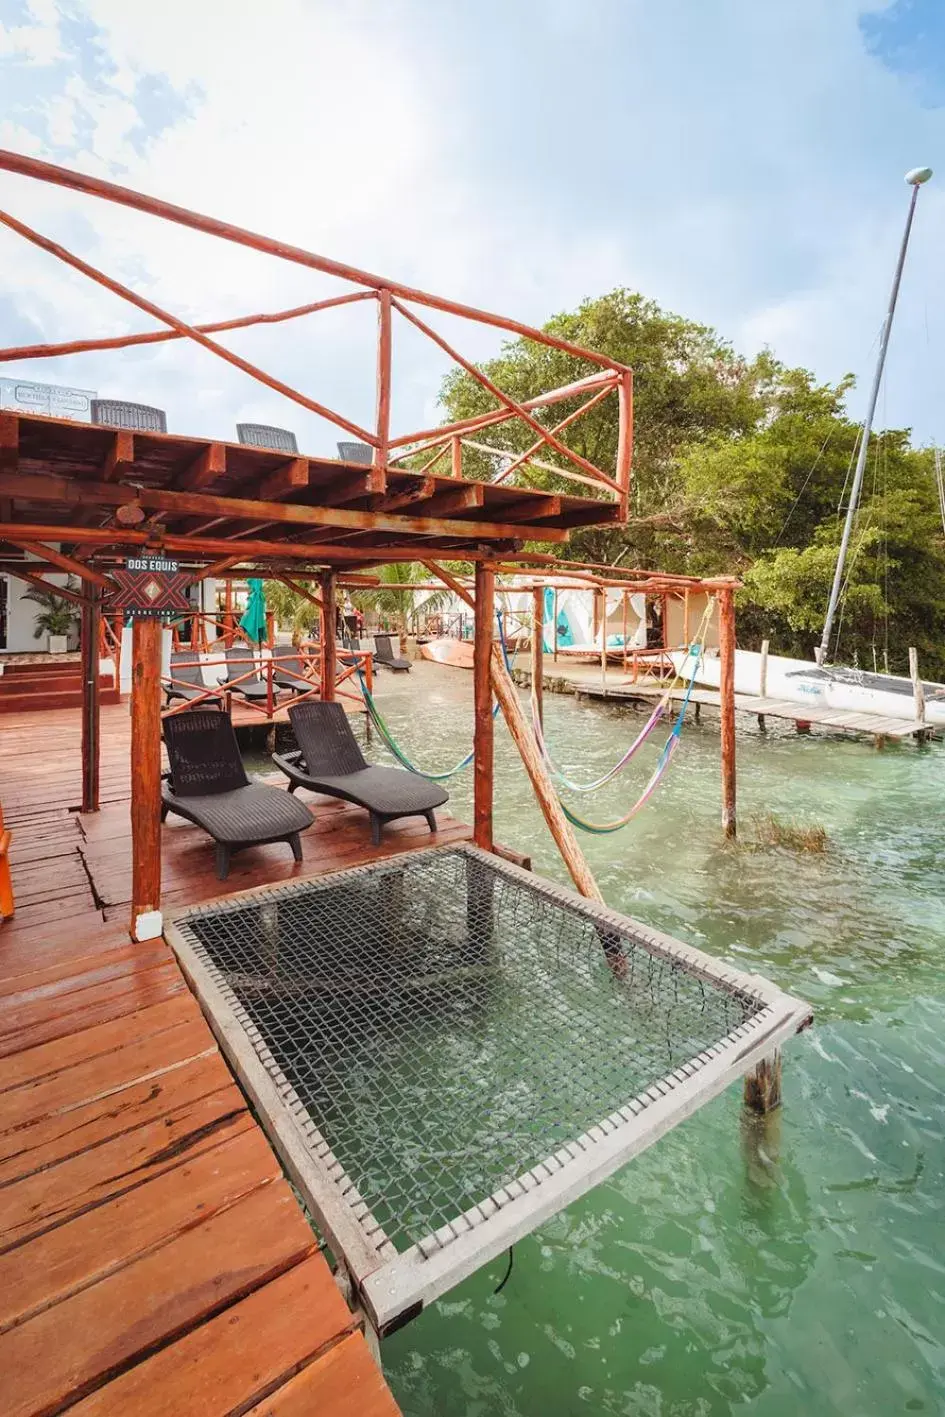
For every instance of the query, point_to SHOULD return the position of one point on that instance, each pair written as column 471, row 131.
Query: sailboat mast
column 916, row 178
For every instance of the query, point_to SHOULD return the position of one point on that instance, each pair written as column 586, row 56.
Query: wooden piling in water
column 726, row 604
column 484, row 734
column 763, row 1084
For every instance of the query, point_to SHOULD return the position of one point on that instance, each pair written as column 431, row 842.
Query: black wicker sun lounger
column 289, row 671
column 208, row 786
column 188, row 679
column 384, row 654
column 330, row 761
column 239, row 661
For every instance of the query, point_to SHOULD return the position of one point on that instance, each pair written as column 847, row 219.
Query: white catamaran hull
column 801, row 681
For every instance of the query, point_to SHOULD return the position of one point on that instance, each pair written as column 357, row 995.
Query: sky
column 739, row 161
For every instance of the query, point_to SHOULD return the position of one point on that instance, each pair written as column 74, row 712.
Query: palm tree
column 292, row 611
column 396, row 599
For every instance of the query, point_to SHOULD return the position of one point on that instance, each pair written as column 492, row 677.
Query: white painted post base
column 149, row 926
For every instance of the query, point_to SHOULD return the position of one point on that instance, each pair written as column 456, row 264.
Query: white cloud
column 738, row 162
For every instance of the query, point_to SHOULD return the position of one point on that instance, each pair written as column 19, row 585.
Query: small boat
column 802, row 681
column 458, row 654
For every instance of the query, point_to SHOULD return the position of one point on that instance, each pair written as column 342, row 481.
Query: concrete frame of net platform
column 393, row 1286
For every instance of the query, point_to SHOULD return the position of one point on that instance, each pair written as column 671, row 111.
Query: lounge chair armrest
column 289, row 760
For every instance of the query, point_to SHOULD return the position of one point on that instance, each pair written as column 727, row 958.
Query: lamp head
column 918, row 175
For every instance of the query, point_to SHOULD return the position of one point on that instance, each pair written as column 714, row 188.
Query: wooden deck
column 152, row 1257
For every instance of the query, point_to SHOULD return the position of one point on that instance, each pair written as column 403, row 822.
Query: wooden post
column 91, row 633
column 270, row 629
column 228, row 615
column 146, row 642
column 726, row 603
column 763, row 1084
column 538, row 653
column 685, row 618
column 381, row 452
column 483, row 766
column 524, row 739
column 763, row 671
column 554, row 639
column 603, row 636
column 326, row 582
column 918, row 693
column 624, row 634
column 456, row 457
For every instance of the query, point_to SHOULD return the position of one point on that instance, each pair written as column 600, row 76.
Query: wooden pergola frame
column 79, row 497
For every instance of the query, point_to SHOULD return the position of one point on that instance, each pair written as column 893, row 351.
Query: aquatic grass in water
column 794, row 1268
column 770, row 830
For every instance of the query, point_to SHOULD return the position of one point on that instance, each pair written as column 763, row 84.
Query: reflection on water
column 794, row 1267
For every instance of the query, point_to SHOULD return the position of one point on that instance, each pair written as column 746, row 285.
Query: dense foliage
column 740, row 467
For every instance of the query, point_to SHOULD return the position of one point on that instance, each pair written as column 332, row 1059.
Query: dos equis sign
column 150, row 588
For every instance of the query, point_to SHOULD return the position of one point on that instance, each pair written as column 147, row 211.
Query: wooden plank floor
column 153, row 1259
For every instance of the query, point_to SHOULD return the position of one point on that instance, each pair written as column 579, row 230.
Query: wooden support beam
column 384, row 344
column 372, row 481
column 205, row 469
column 217, row 568
column 484, row 730
column 467, row 498
column 420, row 492
column 505, row 691
column 291, row 477
column 301, row 590
column 56, row 489
column 533, row 509
column 198, row 547
column 100, row 278
column 517, row 408
column 625, row 439
column 120, row 456
column 9, row 441
column 456, row 456
column 58, row 559
column 326, row 582
column 726, row 604
column 23, row 575
column 35, row 168
column 537, row 653
column 83, row 346
column 145, row 920
column 91, row 631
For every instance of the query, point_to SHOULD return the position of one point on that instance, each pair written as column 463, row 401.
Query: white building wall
column 21, row 616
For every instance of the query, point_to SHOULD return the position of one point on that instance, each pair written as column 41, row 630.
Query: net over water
column 448, row 1024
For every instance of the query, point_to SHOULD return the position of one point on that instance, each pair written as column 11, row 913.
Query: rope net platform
column 446, row 1049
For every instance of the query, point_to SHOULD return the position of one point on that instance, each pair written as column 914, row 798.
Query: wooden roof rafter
column 390, row 296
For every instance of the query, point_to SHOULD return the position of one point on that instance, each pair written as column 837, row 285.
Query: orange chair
column 6, row 884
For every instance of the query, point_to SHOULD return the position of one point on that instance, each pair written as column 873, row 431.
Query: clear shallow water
column 792, row 1266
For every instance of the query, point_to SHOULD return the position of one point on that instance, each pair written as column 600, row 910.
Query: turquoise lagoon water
column 770, row 1267
column 793, row 1265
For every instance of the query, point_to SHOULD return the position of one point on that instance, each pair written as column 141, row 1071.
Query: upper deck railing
column 609, row 377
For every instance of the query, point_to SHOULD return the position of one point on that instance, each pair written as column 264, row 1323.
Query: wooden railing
column 607, row 377
column 268, row 669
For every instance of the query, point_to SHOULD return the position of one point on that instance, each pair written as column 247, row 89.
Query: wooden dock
column 153, row 1259
column 836, row 720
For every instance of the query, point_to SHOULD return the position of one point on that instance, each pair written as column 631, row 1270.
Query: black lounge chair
column 189, row 683
column 207, row 785
column 384, row 654
column 329, row 760
column 239, row 661
column 291, row 672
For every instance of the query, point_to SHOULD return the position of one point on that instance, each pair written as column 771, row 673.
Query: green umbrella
column 253, row 623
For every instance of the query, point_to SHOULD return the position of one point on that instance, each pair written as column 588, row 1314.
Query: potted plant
column 56, row 618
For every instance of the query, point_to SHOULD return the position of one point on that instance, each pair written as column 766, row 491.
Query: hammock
column 665, row 758
column 391, row 742
column 695, row 650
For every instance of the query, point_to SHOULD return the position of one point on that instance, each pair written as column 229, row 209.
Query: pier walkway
column 153, row 1259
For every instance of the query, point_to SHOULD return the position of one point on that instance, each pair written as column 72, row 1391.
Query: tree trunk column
column 726, row 602
column 146, row 922
column 483, row 771
column 329, row 617
column 91, row 631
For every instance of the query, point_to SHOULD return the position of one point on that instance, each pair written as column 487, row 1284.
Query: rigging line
column 810, row 473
